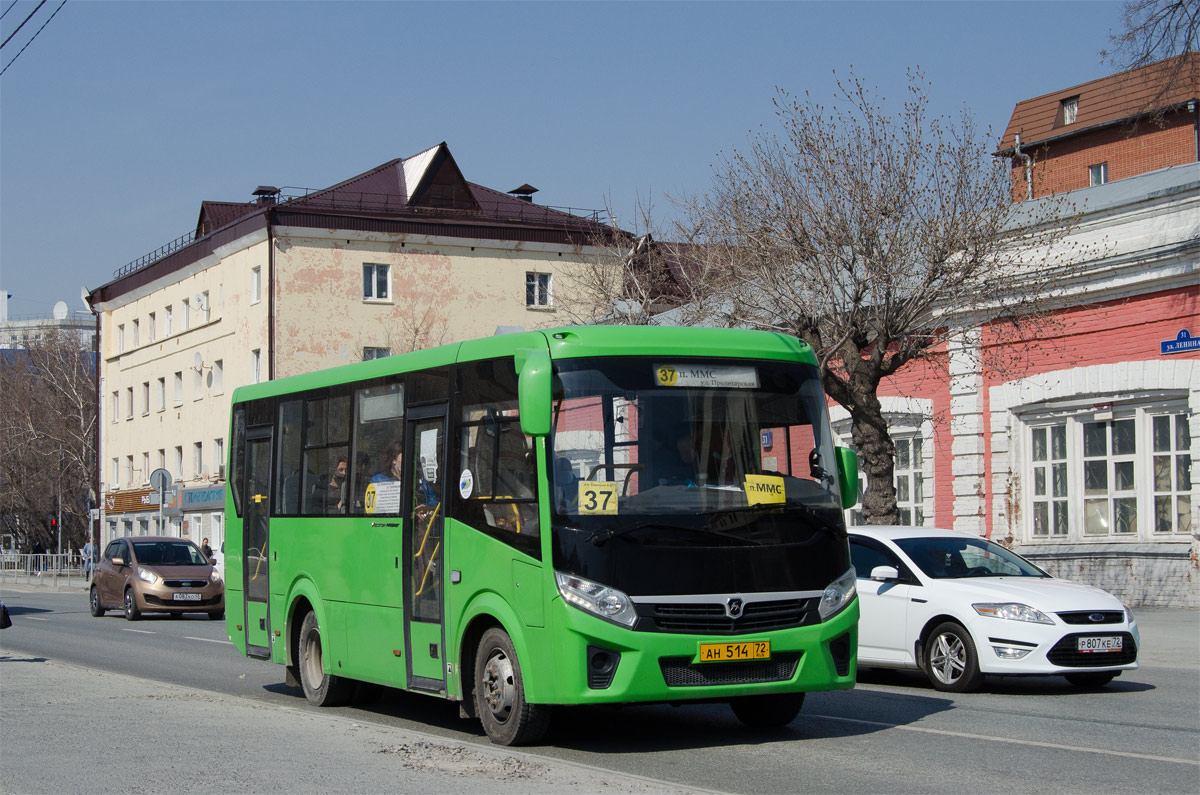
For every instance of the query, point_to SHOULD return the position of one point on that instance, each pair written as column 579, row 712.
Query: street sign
column 160, row 479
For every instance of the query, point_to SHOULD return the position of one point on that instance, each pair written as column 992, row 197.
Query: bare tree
column 1158, row 32
column 1152, row 30
column 47, row 438
column 879, row 239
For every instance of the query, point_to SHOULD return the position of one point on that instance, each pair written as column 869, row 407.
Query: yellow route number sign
column 598, row 497
column 370, row 498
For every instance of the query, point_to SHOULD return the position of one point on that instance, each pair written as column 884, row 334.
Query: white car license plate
column 186, row 597
column 1099, row 644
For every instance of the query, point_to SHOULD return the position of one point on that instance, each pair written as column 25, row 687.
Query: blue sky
column 123, row 116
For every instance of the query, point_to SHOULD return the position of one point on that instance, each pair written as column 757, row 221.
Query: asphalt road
column 893, row 733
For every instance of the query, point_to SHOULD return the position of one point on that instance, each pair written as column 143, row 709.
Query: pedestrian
column 206, row 549
column 87, row 560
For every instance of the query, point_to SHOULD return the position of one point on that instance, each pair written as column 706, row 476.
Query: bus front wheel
column 764, row 712
column 320, row 688
column 500, row 701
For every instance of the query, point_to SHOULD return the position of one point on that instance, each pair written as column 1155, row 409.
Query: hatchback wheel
column 951, row 662
column 94, row 602
column 131, row 609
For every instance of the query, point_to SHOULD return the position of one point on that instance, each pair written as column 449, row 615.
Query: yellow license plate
column 743, row 650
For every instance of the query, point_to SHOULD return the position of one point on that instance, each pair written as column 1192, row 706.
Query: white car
column 959, row 607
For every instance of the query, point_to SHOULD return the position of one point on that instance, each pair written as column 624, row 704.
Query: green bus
column 586, row 515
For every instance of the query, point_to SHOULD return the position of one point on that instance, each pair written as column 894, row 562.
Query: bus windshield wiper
column 603, row 535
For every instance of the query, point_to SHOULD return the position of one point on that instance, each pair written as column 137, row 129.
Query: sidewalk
column 70, row 729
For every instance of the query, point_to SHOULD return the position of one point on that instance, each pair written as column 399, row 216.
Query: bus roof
column 568, row 342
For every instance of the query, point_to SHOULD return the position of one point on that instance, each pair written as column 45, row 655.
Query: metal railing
column 42, row 569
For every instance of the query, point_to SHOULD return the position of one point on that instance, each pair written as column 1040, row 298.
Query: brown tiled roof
column 1109, row 100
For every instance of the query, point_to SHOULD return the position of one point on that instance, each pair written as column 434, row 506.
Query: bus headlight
column 597, row 599
column 838, row 594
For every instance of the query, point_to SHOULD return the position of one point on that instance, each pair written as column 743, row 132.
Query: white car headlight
column 145, row 575
column 1012, row 611
column 599, row 600
column 838, row 594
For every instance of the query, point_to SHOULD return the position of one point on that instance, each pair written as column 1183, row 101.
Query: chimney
column 525, row 192
column 266, row 194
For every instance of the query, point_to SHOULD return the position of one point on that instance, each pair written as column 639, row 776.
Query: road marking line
column 35, row 618
column 142, row 631
column 1014, row 741
column 206, row 640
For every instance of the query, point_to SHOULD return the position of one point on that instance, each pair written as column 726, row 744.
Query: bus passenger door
column 256, row 543
column 425, row 468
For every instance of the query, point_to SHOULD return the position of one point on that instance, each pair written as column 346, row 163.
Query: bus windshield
column 680, row 452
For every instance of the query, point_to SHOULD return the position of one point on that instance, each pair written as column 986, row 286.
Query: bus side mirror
column 847, row 466
column 533, row 392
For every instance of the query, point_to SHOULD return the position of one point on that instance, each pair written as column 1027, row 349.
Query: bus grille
column 682, row 672
column 701, row 618
column 1066, row 654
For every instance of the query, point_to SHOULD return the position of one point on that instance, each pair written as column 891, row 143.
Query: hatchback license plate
column 1099, row 644
column 186, row 597
column 725, row 652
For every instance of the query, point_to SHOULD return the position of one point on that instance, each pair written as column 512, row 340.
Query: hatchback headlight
column 1012, row 611
column 145, row 575
column 599, row 600
column 838, row 594
column 214, row 576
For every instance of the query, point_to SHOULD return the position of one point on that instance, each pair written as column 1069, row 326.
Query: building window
column 205, row 306
column 170, row 320
column 1068, row 110
column 1110, row 475
column 128, row 470
column 910, row 480
column 255, row 285
column 1097, row 174
column 376, row 280
column 116, row 405
column 1172, row 461
column 185, row 314
column 1050, row 510
column 162, row 394
column 256, row 366
column 178, row 387
column 121, row 338
column 537, row 289
column 145, row 398
column 198, row 459
column 152, row 327
column 197, row 383
column 146, row 467
column 162, row 458
column 115, row 474
column 219, row 457
column 375, row 353
column 178, row 462
column 137, row 329
column 218, row 376
column 129, row 403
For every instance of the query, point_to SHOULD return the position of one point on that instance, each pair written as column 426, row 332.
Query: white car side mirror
column 884, row 573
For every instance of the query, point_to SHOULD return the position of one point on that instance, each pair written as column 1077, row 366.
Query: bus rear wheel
column 768, row 711
column 320, row 688
column 500, row 701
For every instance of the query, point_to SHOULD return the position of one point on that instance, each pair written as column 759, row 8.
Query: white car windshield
column 950, row 557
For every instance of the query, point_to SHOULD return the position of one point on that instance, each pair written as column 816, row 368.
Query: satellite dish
column 198, row 360
column 199, row 299
column 60, row 310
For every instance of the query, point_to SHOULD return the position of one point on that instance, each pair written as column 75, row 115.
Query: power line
column 39, row 30
column 18, row 30
column 10, row 8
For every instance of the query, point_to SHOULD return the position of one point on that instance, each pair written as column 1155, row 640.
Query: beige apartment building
column 404, row 256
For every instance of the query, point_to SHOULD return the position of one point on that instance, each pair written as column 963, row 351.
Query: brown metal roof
column 1108, row 100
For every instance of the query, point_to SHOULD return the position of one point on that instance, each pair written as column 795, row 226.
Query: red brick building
column 1078, row 448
